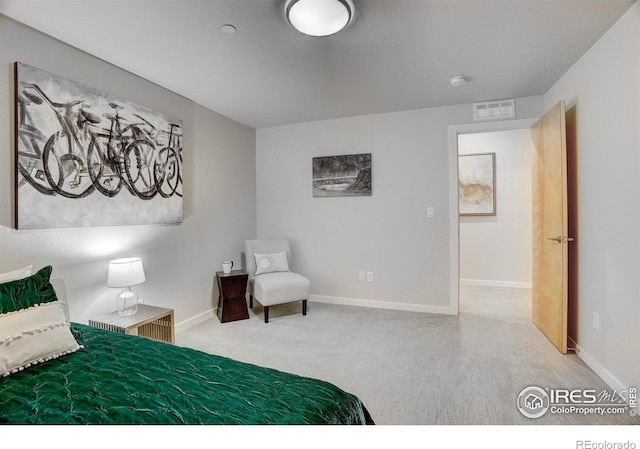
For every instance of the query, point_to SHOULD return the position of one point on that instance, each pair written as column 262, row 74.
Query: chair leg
column 266, row 314
column 251, row 301
column 304, row 306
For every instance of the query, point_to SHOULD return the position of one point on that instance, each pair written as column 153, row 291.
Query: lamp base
column 127, row 302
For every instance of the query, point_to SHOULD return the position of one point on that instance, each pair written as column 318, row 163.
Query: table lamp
column 125, row 273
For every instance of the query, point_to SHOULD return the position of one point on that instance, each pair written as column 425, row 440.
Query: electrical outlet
column 369, row 276
column 596, row 321
column 361, row 275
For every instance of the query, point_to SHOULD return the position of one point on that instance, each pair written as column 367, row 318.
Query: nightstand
column 232, row 302
column 155, row 323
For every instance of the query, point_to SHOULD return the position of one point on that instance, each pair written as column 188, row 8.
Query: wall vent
column 494, row 110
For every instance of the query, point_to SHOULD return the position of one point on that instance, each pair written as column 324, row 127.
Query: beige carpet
column 413, row 368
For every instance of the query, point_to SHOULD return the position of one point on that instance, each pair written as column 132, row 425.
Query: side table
column 232, row 302
column 155, row 323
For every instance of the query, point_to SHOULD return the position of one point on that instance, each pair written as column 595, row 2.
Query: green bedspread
column 122, row 379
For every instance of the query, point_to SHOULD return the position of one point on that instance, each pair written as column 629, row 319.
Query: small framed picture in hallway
column 477, row 183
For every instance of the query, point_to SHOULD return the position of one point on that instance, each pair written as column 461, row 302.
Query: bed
column 103, row 377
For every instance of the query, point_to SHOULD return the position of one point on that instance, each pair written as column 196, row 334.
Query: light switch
column 431, row 212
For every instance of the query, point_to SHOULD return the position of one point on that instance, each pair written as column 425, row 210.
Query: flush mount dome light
column 319, row 17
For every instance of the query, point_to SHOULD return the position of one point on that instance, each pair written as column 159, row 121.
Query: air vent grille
column 494, row 110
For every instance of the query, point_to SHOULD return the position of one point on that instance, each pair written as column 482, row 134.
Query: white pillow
column 17, row 274
column 34, row 335
column 271, row 263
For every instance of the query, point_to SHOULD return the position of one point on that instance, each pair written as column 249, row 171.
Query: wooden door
column 550, row 226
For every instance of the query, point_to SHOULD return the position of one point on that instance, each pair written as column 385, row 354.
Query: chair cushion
column 264, row 246
column 279, row 288
column 271, row 263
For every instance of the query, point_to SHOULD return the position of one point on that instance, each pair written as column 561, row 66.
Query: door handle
column 561, row 239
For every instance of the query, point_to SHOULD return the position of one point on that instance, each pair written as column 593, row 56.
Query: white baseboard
column 485, row 283
column 204, row 316
column 382, row 304
column 600, row 370
column 193, row 321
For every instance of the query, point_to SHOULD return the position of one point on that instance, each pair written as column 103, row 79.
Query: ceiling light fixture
column 458, row 81
column 319, row 17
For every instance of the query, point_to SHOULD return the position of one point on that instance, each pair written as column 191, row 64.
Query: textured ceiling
column 395, row 55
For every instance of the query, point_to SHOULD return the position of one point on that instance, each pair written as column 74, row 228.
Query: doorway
column 456, row 135
column 496, row 248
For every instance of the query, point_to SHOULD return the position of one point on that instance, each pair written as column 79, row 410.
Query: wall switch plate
column 596, row 321
column 361, row 275
column 431, row 212
column 369, row 276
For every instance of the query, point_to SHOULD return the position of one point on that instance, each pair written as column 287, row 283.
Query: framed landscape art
column 477, row 184
column 347, row 175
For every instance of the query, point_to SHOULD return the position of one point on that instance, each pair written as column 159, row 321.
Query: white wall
column 604, row 88
column 496, row 250
column 388, row 233
column 180, row 261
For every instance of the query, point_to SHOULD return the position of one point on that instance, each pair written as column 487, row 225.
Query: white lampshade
column 125, row 272
column 319, row 17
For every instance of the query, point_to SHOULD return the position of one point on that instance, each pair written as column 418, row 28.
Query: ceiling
column 396, row 54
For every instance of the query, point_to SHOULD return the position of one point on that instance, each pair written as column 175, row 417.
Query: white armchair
column 271, row 281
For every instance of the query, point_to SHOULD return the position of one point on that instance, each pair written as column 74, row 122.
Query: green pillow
column 27, row 292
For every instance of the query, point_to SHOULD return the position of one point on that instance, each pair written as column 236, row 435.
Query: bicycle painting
column 86, row 158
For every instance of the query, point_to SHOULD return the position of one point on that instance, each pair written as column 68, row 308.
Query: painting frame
column 343, row 175
column 477, row 184
column 87, row 158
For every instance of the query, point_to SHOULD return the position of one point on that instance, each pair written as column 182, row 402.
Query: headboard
column 61, row 292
